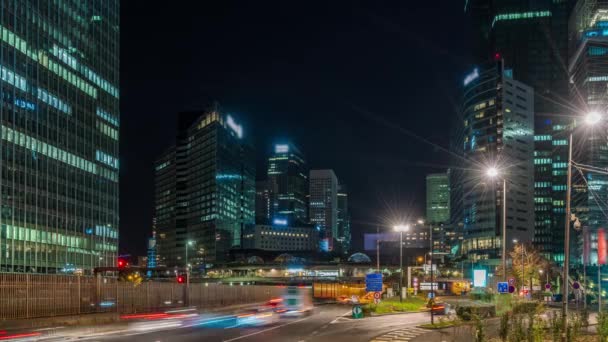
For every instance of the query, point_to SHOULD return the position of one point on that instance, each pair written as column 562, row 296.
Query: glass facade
column 205, row 197
column 323, row 206
column 288, row 184
column 59, row 70
column 437, row 198
column 344, row 235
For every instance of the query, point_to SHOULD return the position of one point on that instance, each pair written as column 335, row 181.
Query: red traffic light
column 181, row 279
column 121, row 263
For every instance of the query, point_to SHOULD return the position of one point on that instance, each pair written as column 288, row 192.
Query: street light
column 492, row 172
column 591, row 118
column 401, row 228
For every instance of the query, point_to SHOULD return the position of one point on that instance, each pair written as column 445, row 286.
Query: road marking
column 315, row 332
column 325, row 326
column 265, row 330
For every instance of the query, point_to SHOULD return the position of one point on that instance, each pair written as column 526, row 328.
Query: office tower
column 280, row 237
column 324, row 205
column 437, row 198
column 343, row 217
column 262, row 202
column 498, row 132
column 59, row 74
column 589, row 81
column 205, row 188
column 532, row 38
column 288, row 183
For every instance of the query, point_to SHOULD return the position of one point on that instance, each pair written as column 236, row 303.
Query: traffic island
column 394, row 306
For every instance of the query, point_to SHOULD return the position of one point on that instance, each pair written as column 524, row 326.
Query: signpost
column 373, row 282
column 355, row 299
column 430, row 295
column 377, row 295
column 547, row 286
column 576, row 285
column 357, row 312
column 511, row 281
column 503, row 287
column 511, row 289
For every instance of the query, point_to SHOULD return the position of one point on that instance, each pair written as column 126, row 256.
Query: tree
column 526, row 263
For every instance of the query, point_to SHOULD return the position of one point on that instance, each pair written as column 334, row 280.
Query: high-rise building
column 343, row 217
column 262, row 202
column 498, row 132
column 532, row 38
column 288, row 183
column 437, row 198
column 324, row 205
column 205, row 189
column 59, row 117
column 589, row 81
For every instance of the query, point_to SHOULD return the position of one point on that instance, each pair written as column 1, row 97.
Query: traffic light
column 181, row 279
column 121, row 263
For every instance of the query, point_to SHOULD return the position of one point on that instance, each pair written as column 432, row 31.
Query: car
column 256, row 317
column 440, row 308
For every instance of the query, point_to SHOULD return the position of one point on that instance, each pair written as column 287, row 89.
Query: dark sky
column 344, row 80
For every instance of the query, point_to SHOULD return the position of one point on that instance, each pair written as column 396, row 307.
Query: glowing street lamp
column 492, row 173
column 401, row 228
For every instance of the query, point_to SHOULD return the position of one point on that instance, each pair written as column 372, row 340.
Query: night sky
column 358, row 86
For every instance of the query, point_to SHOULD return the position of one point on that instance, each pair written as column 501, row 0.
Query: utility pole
column 567, row 243
column 432, row 278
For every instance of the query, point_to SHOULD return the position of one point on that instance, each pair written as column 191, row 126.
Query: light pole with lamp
column 493, row 173
column 401, row 228
column 591, row 118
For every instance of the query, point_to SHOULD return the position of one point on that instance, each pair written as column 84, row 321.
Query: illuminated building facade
column 344, row 236
column 210, row 203
column 589, row 81
column 262, row 202
column 288, row 183
column 282, row 238
column 324, row 205
column 498, row 131
column 59, row 118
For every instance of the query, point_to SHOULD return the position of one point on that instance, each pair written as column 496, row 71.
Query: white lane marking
column 265, row 330
column 339, row 317
column 315, row 332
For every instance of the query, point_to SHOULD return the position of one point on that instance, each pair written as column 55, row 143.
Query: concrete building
column 498, row 132
column 59, row 121
column 205, row 189
column 323, row 205
column 280, row 238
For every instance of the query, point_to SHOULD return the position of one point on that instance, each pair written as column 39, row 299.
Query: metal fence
column 40, row 295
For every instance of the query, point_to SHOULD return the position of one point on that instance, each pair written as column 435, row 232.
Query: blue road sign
column 503, row 287
column 430, row 295
column 373, row 282
column 576, row 285
column 511, row 289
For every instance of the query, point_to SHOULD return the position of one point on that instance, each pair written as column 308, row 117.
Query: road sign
column 355, row 299
column 377, row 295
column 430, row 295
column 373, row 282
column 376, row 300
column 511, row 289
column 357, row 311
column 548, row 286
column 503, row 287
column 576, row 285
column 511, row 281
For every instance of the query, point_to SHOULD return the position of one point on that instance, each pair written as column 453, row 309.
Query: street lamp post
column 493, row 173
column 590, row 119
column 401, row 228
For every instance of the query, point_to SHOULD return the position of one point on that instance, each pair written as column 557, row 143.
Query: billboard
column 479, row 278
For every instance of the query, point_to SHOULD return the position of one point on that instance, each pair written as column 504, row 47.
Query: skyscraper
column 498, row 131
column 59, row 74
column 437, row 198
column 214, row 189
column 288, row 183
column 324, row 205
column 532, row 38
column 262, row 202
column 344, row 235
column 589, row 81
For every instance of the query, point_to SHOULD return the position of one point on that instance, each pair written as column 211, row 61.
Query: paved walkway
column 405, row 334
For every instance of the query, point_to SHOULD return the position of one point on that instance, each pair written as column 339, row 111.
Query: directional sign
column 377, row 295
column 548, row 286
column 357, row 311
column 511, row 281
column 576, row 285
column 373, row 282
column 503, row 287
column 511, row 288
column 430, row 295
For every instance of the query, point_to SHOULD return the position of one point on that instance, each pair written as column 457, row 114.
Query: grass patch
column 393, row 305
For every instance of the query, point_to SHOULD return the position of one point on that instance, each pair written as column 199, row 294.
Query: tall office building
column 589, row 81
column 288, row 183
column 532, row 38
column 324, row 205
column 262, row 202
column 498, row 131
column 437, row 198
column 59, row 74
column 343, row 217
column 205, row 189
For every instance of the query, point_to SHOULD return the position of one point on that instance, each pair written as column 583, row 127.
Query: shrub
column 503, row 331
column 602, row 326
column 525, row 308
column 466, row 312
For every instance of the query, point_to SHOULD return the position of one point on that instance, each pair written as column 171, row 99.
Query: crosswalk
column 405, row 334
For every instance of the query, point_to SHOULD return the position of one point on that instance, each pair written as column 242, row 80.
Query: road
column 327, row 323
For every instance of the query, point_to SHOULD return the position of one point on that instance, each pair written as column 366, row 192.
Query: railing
column 40, row 295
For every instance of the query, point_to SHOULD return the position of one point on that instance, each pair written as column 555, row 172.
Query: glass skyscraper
column 288, row 184
column 59, row 116
column 205, row 190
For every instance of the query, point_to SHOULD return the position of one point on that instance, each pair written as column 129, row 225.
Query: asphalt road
column 327, row 323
